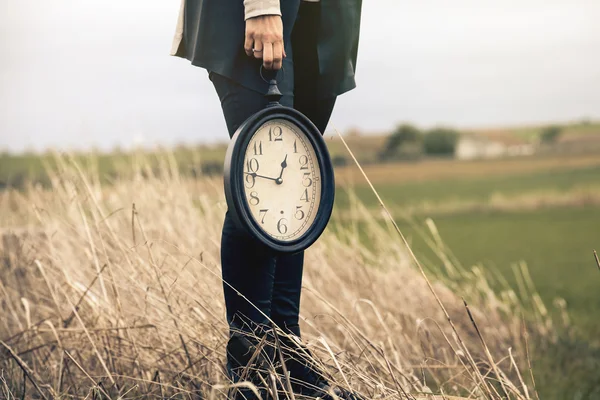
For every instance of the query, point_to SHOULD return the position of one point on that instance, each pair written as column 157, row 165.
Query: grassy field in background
column 556, row 241
column 579, row 137
column 543, row 211
column 581, row 184
column 556, row 244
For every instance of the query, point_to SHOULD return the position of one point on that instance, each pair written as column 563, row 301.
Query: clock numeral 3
column 275, row 134
column 303, row 162
column 307, row 179
column 262, row 215
column 281, row 226
column 254, row 200
column 299, row 213
column 305, row 195
column 258, row 149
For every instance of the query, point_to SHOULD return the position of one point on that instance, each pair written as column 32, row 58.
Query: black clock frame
column 234, row 178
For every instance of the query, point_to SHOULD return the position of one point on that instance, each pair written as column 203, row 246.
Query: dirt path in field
column 454, row 169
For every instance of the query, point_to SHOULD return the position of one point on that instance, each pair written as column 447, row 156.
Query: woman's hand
column 264, row 39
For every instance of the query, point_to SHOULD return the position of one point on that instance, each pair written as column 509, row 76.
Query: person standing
column 311, row 46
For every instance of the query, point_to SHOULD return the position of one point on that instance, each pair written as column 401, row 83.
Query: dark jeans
column 270, row 282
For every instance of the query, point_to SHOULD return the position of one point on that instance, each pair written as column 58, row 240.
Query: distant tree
column 405, row 137
column 550, row 134
column 440, row 141
column 211, row 168
column 339, row 161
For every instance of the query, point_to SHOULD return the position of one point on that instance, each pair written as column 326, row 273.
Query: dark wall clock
column 278, row 176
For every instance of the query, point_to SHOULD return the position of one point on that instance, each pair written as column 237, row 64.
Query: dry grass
column 115, row 292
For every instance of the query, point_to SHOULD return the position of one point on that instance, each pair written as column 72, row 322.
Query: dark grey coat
column 211, row 33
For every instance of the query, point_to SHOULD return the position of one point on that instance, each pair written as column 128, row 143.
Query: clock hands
column 279, row 181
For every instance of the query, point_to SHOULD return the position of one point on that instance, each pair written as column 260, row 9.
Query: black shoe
column 306, row 379
column 244, row 365
column 319, row 389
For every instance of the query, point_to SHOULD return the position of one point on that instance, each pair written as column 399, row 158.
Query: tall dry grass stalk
column 115, row 292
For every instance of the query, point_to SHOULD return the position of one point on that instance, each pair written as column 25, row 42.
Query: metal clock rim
column 234, row 183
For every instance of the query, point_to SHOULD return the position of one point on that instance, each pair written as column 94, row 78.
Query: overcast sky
column 83, row 73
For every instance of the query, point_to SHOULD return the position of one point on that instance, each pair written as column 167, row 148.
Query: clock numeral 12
column 275, row 133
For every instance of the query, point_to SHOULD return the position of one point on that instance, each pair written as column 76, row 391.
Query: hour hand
column 283, row 166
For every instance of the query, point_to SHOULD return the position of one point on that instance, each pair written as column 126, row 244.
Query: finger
column 268, row 55
column 258, row 48
column 248, row 44
column 277, row 55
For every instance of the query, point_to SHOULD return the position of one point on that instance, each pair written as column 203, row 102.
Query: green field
column 479, row 189
column 556, row 245
column 556, row 242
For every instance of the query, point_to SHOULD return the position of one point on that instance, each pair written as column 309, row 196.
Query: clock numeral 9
column 250, row 181
column 307, row 179
column 281, row 226
column 303, row 162
column 275, row 134
column 299, row 213
column 254, row 200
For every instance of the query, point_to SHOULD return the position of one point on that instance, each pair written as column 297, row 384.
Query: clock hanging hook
column 273, row 94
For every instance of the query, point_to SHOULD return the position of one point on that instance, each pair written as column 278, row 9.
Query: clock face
column 282, row 180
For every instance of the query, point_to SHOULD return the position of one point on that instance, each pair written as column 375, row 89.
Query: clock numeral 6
column 299, row 213
column 281, row 226
column 303, row 162
column 275, row 134
column 254, row 200
column 307, row 179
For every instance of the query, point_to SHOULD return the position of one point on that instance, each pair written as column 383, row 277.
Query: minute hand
column 260, row 176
